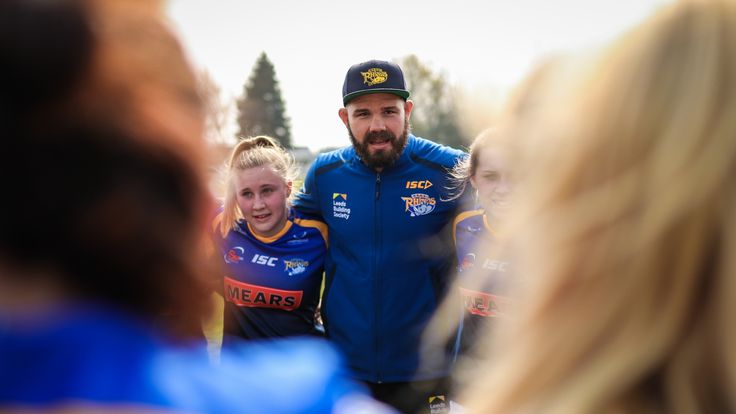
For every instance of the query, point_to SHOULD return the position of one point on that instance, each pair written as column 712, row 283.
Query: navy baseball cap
column 374, row 76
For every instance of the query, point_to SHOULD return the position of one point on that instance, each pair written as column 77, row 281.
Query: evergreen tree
column 435, row 114
column 261, row 110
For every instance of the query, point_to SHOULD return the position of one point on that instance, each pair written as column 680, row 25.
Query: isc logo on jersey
column 262, row 259
column 499, row 265
column 419, row 204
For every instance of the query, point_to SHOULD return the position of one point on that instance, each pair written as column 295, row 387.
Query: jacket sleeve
column 306, row 201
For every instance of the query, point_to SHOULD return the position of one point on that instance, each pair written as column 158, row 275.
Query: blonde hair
column 628, row 233
column 250, row 153
column 131, row 199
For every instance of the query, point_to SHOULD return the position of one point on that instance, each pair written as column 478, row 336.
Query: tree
column 216, row 110
column 261, row 110
column 435, row 112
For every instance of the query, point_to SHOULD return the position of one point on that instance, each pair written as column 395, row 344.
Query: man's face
column 378, row 125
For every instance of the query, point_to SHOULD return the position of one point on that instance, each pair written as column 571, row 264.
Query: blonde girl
column 628, row 231
column 271, row 261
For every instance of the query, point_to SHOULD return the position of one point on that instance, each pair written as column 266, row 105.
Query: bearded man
column 390, row 256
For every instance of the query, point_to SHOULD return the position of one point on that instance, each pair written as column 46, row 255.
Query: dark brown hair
column 111, row 208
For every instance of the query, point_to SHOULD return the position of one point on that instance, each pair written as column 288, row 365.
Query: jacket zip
column 376, row 273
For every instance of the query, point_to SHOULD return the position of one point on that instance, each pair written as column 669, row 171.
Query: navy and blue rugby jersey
column 483, row 276
column 271, row 285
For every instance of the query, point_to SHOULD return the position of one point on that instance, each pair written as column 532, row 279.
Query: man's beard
column 382, row 158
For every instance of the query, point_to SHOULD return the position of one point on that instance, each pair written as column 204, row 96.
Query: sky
column 483, row 47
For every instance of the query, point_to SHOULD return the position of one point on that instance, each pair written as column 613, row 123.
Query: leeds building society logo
column 419, row 204
column 374, row 76
column 340, row 207
column 438, row 405
column 295, row 266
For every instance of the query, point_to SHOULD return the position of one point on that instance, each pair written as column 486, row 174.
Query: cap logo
column 374, row 76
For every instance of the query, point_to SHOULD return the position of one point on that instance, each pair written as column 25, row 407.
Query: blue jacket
column 107, row 361
column 390, row 254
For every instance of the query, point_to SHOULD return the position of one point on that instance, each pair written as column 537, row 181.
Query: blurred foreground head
column 627, row 232
column 101, row 127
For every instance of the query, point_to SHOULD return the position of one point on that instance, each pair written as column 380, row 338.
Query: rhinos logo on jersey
column 295, row 266
column 419, row 204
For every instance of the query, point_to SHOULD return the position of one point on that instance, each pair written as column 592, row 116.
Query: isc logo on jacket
column 421, row 184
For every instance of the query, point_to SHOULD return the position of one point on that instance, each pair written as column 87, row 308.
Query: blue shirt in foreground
column 100, row 360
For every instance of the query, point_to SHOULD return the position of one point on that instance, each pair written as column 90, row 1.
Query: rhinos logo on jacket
column 419, row 204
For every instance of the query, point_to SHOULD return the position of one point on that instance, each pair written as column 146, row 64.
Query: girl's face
column 261, row 196
column 491, row 180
